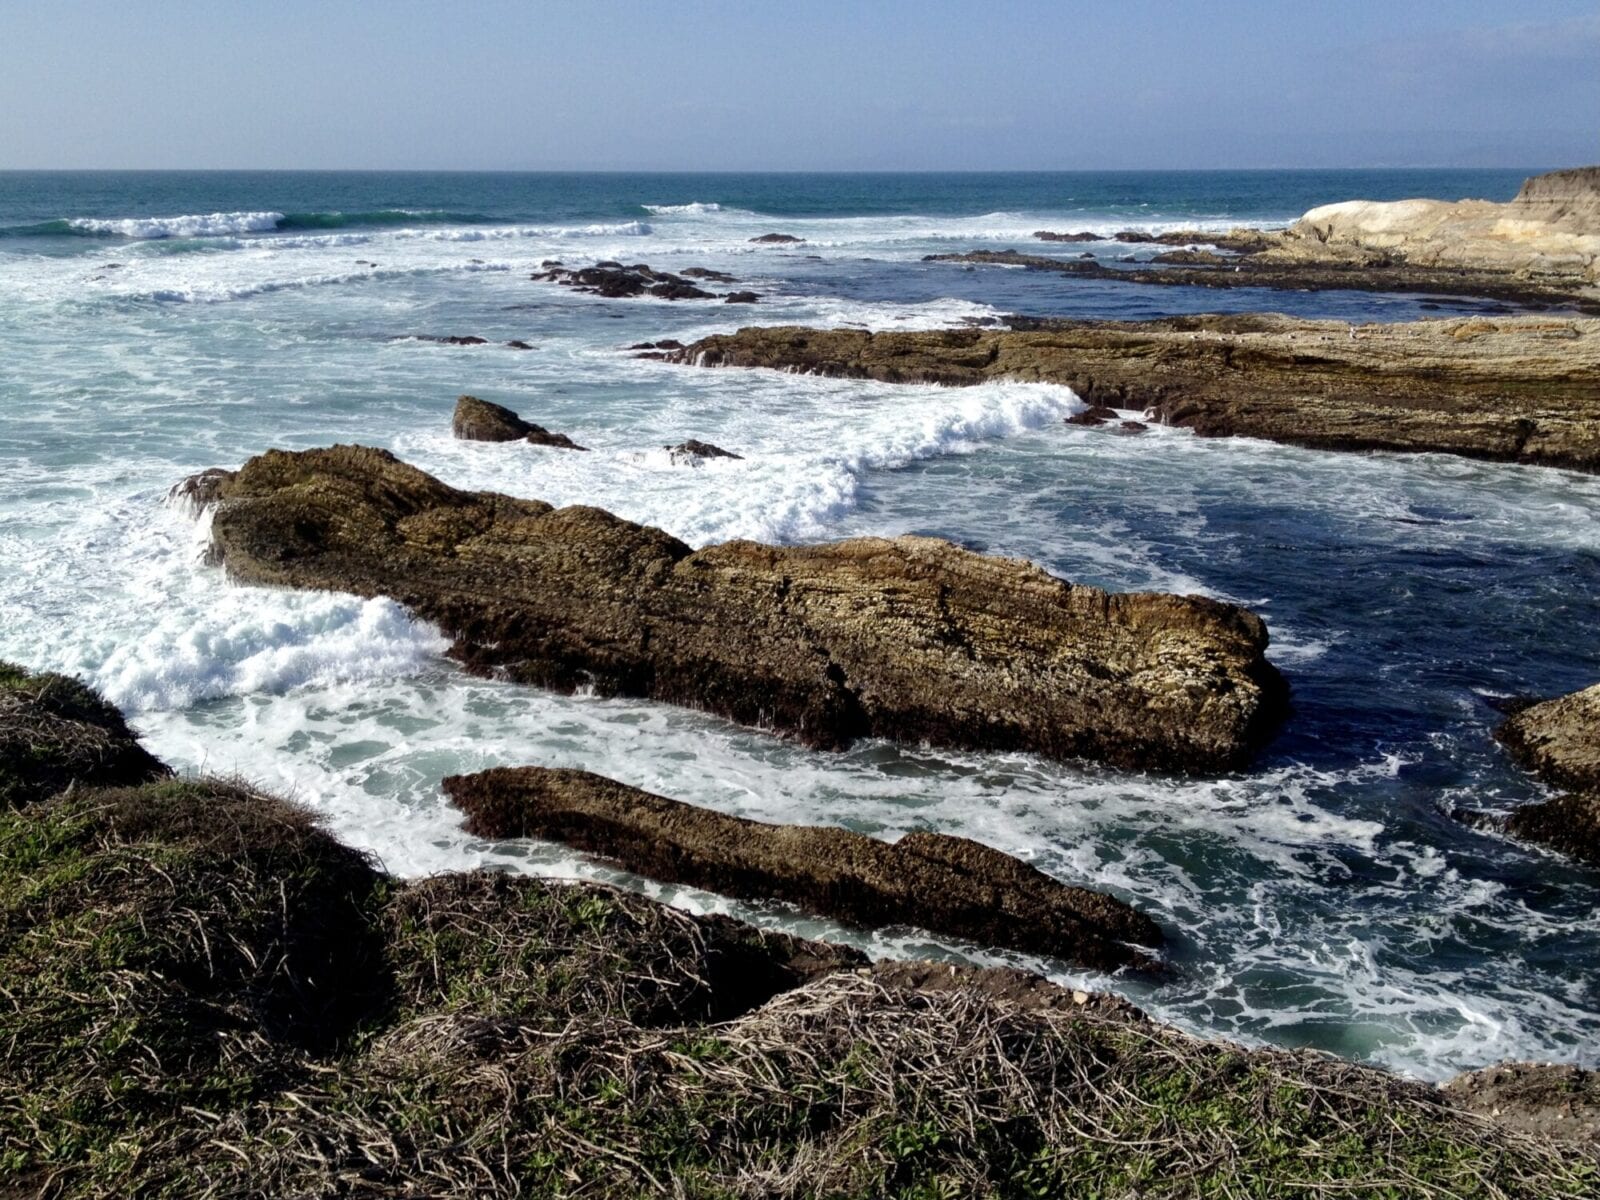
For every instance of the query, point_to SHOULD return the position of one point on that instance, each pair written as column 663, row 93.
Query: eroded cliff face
column 1551, row 228
column 907, row 638
column 1519, row 389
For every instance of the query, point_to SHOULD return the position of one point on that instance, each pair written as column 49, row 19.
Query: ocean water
column 156, row 324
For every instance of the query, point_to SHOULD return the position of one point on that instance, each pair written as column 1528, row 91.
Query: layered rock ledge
column 1559, row 741
column 908, row 638
column 947, row 885
column 1520, row 389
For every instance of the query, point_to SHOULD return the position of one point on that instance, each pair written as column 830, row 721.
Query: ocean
column 154, row 324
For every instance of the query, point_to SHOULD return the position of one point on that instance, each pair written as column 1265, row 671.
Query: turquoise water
column 1324, row 898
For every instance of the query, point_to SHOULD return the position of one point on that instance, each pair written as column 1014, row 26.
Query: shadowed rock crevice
column 907, row 638
column 948, row 885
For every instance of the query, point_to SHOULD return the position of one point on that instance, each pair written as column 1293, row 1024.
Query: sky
column 803, row 85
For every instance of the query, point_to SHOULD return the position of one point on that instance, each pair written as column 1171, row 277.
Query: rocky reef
column 1517, row 389
column 909, row 638
column 614, row 281
column 947, row 885
column 1559, row 741
column 206, row 995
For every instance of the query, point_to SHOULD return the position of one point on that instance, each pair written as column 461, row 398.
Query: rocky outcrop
column 1014, row 258
column 778, row 239
column 1046, row 235
column 693, row 453
column 1559, row 741
column 56, row 734
column 615, row 281
column 474, row 421
column 1520, row 389
column 947, row 885
column 1551, row 228
column 907, row 638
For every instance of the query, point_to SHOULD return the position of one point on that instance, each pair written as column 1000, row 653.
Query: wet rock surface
column 693, row 452
column 908, row 638
column 477, row 420
column 778, row 239
column 948, row 885
column 1516, row 389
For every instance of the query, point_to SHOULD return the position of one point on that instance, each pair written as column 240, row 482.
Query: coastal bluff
column 910, row 638
column 1551, row 228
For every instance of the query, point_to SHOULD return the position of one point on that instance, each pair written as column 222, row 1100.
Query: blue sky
column 806, row 85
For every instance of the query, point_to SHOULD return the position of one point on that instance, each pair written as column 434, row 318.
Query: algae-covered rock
column 948, row 885
column 906, row 638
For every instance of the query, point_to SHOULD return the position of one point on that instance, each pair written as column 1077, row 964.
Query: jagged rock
column 481, row 421
column 56, row 732
column 1559, row 741
column 1521, row 389
column 663, row 344
column 614, row 282
column 1045, row 235
column 200, row 490
column 706, row 273
column 907, row 638
column 778, row 239
column 741, row 298
column 948, row 885
column 1098, row 414
column 691, row 452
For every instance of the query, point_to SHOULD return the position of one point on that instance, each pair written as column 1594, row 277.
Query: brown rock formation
column 1521, row 389
column 480, row 421
column 909, row 638
column 949, row 885
column 1559, row 741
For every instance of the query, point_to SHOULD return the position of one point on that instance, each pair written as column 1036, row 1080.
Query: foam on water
column 187, row 226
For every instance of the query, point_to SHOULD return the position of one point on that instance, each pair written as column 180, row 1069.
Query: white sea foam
column 187, row 226
column 696, row 208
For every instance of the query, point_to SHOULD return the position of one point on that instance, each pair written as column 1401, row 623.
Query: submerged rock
column 692, row 452
column 1518, row 389
column 1045, row 235
column 706, row 273
column 947, row 885
column 778, row 239
column 908, row 638
column 481, row 421
column 741, row 298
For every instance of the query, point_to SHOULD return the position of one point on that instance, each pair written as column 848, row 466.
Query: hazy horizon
column 718, row 87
